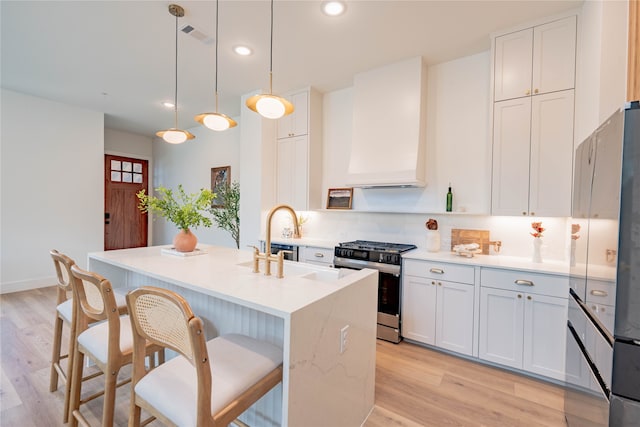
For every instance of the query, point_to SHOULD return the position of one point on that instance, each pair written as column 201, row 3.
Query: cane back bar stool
column 209, row 383
column 108, row 344
column 65, row 315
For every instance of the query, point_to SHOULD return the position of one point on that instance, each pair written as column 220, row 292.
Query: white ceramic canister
column 433, row 240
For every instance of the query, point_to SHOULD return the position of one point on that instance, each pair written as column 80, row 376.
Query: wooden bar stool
column 209, row 383
column 65, row 315
column 108, row 344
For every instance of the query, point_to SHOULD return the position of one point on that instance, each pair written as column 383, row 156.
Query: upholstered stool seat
column 237, row 362
column 209, row 383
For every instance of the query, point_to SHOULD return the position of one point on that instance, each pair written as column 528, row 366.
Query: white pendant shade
column 216, row 121
column 270, row 107
column 175, row 136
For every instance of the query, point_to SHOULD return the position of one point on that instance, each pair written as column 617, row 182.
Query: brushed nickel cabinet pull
column 319, row 255
column 523, row 282
column 436, row 270
column 597, row 293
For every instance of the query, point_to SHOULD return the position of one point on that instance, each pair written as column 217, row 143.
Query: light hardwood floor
column 414, row 386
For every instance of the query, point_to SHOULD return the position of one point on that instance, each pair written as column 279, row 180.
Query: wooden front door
column 124, row 225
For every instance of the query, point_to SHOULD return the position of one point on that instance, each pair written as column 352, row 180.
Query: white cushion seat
column 95, row 339
column 237, row 362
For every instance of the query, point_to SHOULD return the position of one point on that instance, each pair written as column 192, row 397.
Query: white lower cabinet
column 438, row 312
column 524, row 330
column 316, row 255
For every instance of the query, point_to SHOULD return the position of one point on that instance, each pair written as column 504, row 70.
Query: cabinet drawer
column 439, row 270
column 601, row 292
column 317, row 255
column 524, row 281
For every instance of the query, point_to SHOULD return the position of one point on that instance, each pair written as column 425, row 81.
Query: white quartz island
column 303, row 313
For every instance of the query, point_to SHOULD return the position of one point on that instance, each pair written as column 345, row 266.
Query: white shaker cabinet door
column 296, row 123
column 511, row 142
column 419, row 309
column 554, row 56
column 501, row 326
column 454, row 317
column 545, row 323
column 512, row 65
column 292, row 172
column 551, row 154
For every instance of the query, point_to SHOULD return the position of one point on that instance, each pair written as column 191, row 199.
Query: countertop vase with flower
column 537, row 255
column 537, row 241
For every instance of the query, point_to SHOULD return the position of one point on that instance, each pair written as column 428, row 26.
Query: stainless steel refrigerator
column 603, row 328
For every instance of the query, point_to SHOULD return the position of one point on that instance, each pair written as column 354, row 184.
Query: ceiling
column 118, row 56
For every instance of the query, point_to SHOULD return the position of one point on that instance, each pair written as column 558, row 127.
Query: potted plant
column 184, row 210
column 226, row 215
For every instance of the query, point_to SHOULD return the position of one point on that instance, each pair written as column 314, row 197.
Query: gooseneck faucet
column 267, row 256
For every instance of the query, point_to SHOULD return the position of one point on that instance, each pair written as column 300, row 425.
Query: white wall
column 458, row 143
column 128, row 144
column 190, row 164
column 51, row 187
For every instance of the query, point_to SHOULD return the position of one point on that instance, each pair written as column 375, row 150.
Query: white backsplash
column 410, row 228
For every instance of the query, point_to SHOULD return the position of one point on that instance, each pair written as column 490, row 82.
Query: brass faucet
column 267, row 256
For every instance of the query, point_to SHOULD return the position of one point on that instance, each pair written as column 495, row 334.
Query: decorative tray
column 172, row 251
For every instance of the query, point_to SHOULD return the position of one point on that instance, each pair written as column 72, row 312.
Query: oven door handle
column 356, row 264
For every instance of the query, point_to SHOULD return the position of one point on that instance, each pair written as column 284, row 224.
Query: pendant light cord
column 175, row 99
column 271, row 54
column 216, row 75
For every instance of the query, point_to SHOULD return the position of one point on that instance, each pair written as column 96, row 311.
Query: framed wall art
column 339, row 198
column 220, row 176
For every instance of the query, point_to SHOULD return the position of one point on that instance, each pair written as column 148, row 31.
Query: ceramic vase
column 433, row 241
column 537, row 245
column 185, row 241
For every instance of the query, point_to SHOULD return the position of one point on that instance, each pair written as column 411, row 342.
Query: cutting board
column 461, row 236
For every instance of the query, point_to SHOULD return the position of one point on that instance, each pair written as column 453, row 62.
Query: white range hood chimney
column 388, row 145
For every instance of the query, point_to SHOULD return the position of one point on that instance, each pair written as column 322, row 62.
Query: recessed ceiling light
column 242, row 50
column 333, row 8
column 168, row 104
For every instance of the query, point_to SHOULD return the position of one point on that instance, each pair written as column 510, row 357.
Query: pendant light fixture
column 269, row 105
column 174, row 135
column 216, row 121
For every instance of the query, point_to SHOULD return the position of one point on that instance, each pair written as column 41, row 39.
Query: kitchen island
column 323, row 319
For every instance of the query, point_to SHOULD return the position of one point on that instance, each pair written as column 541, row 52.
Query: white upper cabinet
column 551, row 154
column 535, row 60
column 296, row 123
column 533, row 120
column 299, row 153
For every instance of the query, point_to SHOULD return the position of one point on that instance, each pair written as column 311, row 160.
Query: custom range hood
column 388, row 144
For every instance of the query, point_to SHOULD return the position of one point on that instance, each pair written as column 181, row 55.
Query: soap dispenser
column 449, row 199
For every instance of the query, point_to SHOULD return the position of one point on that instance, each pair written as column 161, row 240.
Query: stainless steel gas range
column 386, row 258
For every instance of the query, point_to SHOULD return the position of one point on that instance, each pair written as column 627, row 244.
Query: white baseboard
column 26, row 285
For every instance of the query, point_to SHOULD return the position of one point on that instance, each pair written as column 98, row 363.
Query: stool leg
column 110, row 382
column 55, row 357
column 67, row 391
column 76, row 386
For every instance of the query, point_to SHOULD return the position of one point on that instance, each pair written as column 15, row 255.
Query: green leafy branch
column 185, row 210
column 227, row 215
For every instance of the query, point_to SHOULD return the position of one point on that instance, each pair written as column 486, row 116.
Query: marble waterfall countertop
column 225, row 273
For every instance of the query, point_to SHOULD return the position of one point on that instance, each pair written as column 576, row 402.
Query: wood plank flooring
column 414, row 386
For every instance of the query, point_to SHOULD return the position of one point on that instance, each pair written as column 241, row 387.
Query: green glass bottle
column 449, row 199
